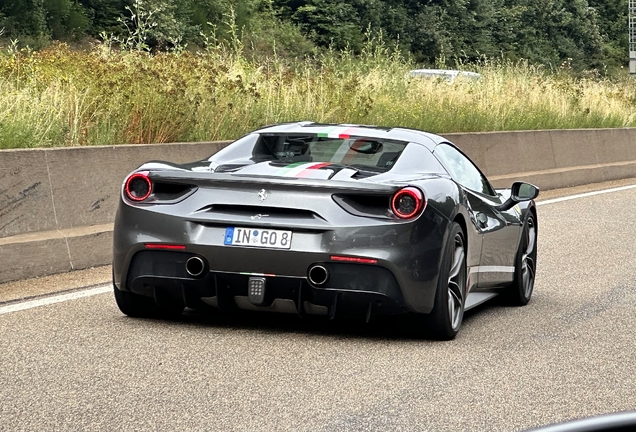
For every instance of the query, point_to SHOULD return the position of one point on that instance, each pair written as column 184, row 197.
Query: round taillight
column 138, row 186
column 407, row 203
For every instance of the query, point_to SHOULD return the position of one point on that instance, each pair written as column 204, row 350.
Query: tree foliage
column 581, row 33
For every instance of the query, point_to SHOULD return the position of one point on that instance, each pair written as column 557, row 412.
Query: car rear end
column 300, row 218
column 304, row 246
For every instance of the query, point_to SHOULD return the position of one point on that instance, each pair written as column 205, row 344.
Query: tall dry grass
column 60, row 97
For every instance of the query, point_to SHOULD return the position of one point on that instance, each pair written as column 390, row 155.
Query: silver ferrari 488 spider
column 333, row 220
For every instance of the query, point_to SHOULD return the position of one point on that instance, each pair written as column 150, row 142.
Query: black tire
column 444, row 321
column 520, row 291
column 137, row 306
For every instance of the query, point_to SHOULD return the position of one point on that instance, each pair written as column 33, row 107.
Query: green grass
column 60, row 97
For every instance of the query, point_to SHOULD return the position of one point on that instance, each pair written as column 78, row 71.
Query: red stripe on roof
column 346, row 134
column 308, row 171
column 320, row 165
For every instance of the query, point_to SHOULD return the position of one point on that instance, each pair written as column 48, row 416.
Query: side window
column 462, row 169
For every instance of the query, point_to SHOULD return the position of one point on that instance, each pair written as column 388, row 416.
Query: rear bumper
column 351, row 289
column 403, row 279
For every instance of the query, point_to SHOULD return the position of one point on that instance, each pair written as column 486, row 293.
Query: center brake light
column 408, row 202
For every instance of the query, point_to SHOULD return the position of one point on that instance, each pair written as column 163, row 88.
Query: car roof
column 426, row 139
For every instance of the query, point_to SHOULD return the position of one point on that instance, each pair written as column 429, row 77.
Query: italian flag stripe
column 335, row 133
column 308, row 170
column 345, row 134
column 342, row 132
column 326, row 131
column 283, row 171
column 293, row 169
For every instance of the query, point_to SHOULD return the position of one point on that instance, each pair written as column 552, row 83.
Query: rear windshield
column 358, row 152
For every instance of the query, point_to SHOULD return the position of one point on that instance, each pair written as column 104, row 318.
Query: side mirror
column 519, row 192
column 524, row 191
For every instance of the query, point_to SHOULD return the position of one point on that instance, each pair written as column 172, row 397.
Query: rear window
column 358, row 152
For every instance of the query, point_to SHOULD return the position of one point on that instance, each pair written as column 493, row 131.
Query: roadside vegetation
column 61, row 97
column 123, row 89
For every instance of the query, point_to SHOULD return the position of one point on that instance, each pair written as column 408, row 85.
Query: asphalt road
column 82, row 365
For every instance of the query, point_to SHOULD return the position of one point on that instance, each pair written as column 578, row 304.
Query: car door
column 499, row 229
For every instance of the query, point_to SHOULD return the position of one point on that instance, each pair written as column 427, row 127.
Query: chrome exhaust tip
column 195, row 266
column 318, row 275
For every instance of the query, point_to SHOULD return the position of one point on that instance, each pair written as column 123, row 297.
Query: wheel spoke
column 532, row 238
column 454, row 307
column 528, row 277
column 529, row 262
column 458, row 260
column 531, row 270
column 455, row 296
column 528, row 286
column 527, row 256
column 456, row 284
column 453, row 287
column 452, row 313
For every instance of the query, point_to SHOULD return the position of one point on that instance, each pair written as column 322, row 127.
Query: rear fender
column 451, row 203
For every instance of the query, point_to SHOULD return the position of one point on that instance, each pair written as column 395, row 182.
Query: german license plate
column 258, row 237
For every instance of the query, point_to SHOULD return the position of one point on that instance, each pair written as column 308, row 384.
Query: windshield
column 360, row 152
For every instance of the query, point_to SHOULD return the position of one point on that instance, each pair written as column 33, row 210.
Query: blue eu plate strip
column 229, row 235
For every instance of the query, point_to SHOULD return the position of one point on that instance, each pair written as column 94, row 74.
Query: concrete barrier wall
column 63, row 188
column 552, row 159
column 57, row 206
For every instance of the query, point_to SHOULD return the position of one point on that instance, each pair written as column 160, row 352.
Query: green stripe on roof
column 282, row 171
column 325, row 132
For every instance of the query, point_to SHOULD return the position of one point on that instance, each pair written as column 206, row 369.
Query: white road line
column 586, row 194
column 15, row 307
